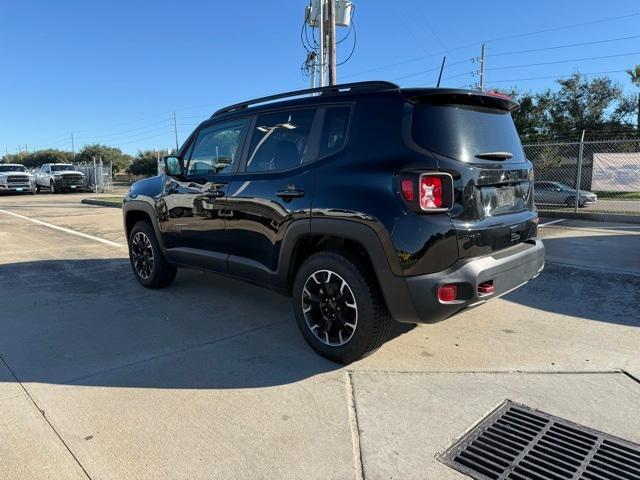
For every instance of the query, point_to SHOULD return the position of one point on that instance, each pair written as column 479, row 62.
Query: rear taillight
column 430, row 192
column 407, row 189
column 427, row 192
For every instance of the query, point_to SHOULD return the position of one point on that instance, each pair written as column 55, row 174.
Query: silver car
column 556, row 193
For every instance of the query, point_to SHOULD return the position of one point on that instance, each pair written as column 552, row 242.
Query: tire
column 52, row 186
column 152, row 271
column 37, row 188
column 570, row 202
column 341, row 343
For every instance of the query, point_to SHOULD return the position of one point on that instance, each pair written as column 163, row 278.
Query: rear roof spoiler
column 447, row 96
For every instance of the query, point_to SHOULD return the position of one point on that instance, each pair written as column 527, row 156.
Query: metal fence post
column 579, row 173
column 95, row 178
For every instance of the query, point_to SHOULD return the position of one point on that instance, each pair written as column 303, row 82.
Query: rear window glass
column 334, row 130
column 461, row 131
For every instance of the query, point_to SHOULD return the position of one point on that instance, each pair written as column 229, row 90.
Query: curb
column 595, row 216
column 101, row 203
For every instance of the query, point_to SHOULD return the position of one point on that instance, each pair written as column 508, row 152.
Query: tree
column 532, row 118
column 634, row 75
column 120, row 161
column 596, row 105
column 39, row 157
column 146, row 162
column 582, row 104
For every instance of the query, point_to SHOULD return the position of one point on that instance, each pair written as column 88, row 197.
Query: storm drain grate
column 518, row 443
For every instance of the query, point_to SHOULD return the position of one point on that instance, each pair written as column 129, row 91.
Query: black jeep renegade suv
column 365, row 202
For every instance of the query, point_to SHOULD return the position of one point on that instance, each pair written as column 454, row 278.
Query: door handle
column 290, row 193
column 214, row 193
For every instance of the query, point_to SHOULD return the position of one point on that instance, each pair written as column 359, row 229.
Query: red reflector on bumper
column 447, row 293
column 486, row 288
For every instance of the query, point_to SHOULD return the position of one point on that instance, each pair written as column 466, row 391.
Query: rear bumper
column 507, row 269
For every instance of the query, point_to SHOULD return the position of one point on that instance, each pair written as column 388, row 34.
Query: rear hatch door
column 473, row 137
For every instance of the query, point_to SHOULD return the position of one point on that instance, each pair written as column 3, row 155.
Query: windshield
column 12, row 168
column 58, row 168
column 464, row 131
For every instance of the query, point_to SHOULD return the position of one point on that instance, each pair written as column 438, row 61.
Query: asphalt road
column 100, row 378
column 603, row 205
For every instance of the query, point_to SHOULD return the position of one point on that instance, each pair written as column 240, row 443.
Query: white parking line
column 551, row 222
column 66, row 230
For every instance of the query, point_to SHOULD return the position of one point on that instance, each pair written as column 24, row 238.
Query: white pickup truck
column 60, row 177
column 15, row 178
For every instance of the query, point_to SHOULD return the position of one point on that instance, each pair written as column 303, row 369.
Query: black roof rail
column 333, row 89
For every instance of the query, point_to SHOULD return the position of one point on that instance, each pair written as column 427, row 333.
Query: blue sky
column 113, row 71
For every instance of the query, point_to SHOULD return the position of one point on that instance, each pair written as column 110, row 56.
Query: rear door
column 273, row 188
column 473, row 138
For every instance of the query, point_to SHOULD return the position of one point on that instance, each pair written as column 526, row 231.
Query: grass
column 619, row 195
column 109, row 199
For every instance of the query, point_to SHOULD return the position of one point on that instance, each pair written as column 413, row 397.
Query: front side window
column 334, row 130
column 279, row 140
column 216, row 149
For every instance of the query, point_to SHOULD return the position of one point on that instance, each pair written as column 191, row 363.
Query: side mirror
column 173, row 166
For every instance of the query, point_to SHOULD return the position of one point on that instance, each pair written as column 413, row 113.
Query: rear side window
column 279, row 140
column 334, row 130
column 463, row 131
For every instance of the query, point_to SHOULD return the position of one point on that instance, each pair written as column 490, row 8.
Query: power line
column 432, row 69
column 556, row 47
column 565, row 61
column 125, row 132
column 125, row 137
column 555, row 76
column 564, row 27
column 461, row 47
column 168, row 133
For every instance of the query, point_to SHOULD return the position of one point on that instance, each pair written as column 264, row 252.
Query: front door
column 193, row 206
column 274, row 187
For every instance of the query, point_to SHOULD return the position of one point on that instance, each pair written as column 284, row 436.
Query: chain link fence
column 599, row 176
column 98, row 175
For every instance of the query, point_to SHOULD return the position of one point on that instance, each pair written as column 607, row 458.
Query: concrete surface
column 211, row 379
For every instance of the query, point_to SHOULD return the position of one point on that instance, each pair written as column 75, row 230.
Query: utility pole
column 73, row 147
column 175, row 129
column 331, row 37
column 322, row 52
column 311, row 66
column 482, row 68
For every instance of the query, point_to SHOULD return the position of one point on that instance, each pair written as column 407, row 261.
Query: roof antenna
column 441, row 70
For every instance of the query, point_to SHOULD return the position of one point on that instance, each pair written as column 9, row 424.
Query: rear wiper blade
column 494, row 155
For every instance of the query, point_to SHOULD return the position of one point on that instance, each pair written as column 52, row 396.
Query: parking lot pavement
column 210, row 378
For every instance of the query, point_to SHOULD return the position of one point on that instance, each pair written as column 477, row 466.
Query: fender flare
column 393, row 287
column 146, row 207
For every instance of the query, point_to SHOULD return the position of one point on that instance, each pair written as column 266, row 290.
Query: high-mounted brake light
column 430, row 192
column 492, row 93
